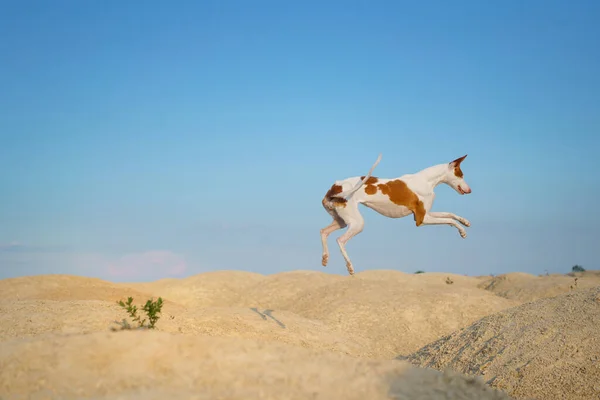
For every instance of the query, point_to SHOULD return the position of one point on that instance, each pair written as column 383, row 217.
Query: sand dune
column 63, row 287
column 219, row 288
column 158, row 365
column 305, row 331
column 547, row 349
column 281, row 290
column 527, row 287
column 29, row 318
column 45, row 317
column 396, row 315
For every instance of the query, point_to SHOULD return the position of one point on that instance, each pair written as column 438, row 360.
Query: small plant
column 419, row 272
column 449, row 281
column 151, row 308
column 574, row 285
column 577, row 268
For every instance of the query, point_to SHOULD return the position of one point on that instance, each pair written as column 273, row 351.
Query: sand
column 292, row 335
column 527, row 287
column 546, row 349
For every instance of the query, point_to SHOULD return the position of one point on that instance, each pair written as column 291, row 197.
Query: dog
column 392, row 198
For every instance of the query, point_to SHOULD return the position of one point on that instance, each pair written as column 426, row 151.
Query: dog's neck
column 435, row 175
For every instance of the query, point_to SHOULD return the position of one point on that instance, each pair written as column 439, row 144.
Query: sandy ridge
column 244, row 324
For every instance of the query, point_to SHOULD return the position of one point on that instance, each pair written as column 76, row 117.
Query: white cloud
column 156, row 262
column 147, row 265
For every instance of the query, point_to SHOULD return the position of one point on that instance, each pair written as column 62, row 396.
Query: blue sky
column 142, row 140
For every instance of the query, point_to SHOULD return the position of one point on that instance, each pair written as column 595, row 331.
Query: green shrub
column 578, row 268
column 151, row 308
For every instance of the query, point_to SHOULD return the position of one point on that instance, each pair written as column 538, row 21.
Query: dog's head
column 455, row 177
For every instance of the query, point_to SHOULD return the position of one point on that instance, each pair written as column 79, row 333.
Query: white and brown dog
column 393, row 198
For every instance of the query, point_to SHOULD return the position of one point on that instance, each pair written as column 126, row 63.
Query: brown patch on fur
column 371, row 181
column 457, row 171
column 400, row 194
column 337, row 201
column 370, row 188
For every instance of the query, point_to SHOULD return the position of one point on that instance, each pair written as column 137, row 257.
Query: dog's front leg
column 460, row 219
column 431, row 220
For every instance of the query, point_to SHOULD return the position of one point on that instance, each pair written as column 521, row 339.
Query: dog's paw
column 350, row 269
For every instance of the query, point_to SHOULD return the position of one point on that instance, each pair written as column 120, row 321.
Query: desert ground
column 304, row 335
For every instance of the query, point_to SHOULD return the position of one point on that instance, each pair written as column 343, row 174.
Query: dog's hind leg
column 325, row 232
column 336, row 224
column 356, row 223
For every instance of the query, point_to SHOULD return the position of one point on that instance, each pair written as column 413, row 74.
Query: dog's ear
column 457, row 162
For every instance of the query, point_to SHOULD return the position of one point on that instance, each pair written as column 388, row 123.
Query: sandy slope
column 307, row 331
column 527, row 287
column 63, row 287
column 547, row 349
column 219, row 288
column 159, row 365
column 394, row 313
column 387, row 312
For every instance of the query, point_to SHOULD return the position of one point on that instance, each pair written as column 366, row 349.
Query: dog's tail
column 348, row 193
